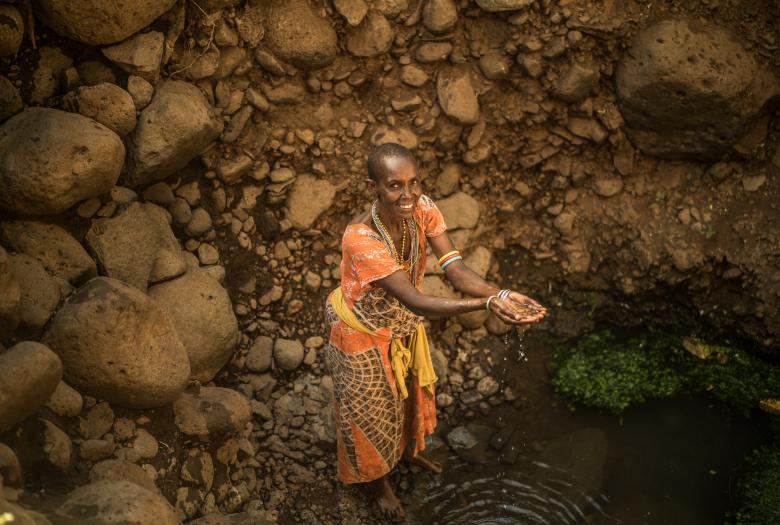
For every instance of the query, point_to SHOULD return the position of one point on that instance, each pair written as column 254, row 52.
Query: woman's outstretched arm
column 398, row 285
column 466, row 281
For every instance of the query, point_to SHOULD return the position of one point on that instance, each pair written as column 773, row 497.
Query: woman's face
column 399, row 188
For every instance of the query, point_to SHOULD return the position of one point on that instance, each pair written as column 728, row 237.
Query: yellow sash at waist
column 416, row 357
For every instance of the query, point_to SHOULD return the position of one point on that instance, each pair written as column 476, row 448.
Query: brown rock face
column 50, row 160
column 689, row 90
column 117, row 502
column 100, row 22
column 298, row 35
column 117, row 344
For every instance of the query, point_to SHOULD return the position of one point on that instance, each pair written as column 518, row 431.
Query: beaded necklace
column 410, row 264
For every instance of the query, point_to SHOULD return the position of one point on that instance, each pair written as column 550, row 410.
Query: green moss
column 759, row 489
column 604, row 371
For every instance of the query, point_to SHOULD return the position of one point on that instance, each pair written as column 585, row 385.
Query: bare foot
column 430, row 465
column 389, row 505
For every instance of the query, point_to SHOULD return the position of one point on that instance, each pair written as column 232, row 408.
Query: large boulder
column 40, row 291
column 55, row 248
column 51, row 159
column 457, row 96
column 139, row 55
column 373, row 37
column 117, row 344
column 11, row 30
column 202, row 314
column 98, row 22
column 10, row 298
column 309, row 197
column 690, row 90
column 106, row 103
column 299, row 35
column 29, row 373
column 136, row 247
column 116, row 502
column 172, row 130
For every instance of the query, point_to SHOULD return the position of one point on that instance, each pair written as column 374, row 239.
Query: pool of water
column 660, row 463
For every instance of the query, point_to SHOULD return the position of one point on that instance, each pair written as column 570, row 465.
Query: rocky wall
column 175, row 176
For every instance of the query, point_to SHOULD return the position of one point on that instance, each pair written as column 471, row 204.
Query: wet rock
column 207, row 254
column 121, row 470
column 198, row 469
column 683, row 96
column 57, row 446
column 172, row 130
column 100, row 22
column 495, row 6
column 470, row 442
column 753, row 183
column 532, row 64
column 576, row 84
column 431, row 52
column 52, row 62
column 440, row 16
column 67, row 158
column 141, row 91
column 40, row 293
column 105, row 103
column 11, row 30
column 211, row 411
column 487, row 386
column 309, row 197
column 65, row 401
column 10, row 298
column 10, row 100
column 123, row 502
column 460, row 211
column 300, row 36
column 96, row 449
column 117, row 344
column 456, row 95
column 202, row 314
column 29, row 373
column 353, row 11
column 479, row 261
column 288, row 353
column 139, row 55
column 494, row 65
column 473, row 320
column 373, row 37
column 136, row 247
column 58, row 252
column 260, row 354
column 145, row 444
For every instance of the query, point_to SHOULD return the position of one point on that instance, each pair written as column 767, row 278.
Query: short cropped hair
column 377, row 160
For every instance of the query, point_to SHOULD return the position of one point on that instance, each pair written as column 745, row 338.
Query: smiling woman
column 382, row 412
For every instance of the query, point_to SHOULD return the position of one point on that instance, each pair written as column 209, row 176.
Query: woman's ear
column 371, row 186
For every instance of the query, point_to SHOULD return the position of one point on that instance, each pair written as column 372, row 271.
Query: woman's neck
column 390, row 222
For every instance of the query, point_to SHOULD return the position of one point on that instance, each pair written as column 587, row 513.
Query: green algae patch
column 759, row 489
column 605, row 371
